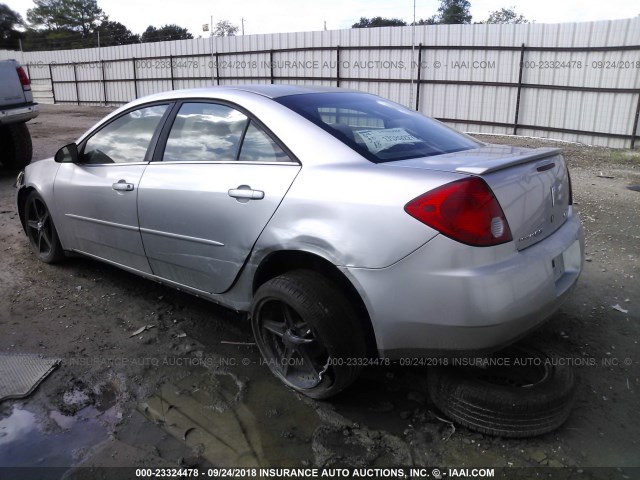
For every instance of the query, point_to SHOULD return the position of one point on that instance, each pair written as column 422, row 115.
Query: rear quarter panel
column 352, row 214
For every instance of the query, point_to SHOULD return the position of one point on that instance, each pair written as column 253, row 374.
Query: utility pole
column 242, row 21
column 325, row 25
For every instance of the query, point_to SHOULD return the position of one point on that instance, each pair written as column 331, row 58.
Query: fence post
column 104, row 83
column 515, row 121
column 135, row 79
column 75, row 80
column 635, row 124
column 53, row 86
column 418, row 77
column 217, row 69
column 171, row 70
column 271, row 65
column 338, row 66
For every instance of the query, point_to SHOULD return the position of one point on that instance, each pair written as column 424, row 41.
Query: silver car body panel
column 98, row 219
column 532, row 186
column 194, row 231
column 500, row 293
column 422, row 290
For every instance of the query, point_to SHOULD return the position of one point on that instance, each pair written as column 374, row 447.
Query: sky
column 275, row 16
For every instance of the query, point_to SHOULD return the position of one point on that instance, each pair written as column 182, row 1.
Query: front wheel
column 41, row 231
column 308, row 333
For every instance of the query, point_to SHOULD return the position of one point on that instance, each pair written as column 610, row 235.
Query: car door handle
column 244, row 192
column 122, row 186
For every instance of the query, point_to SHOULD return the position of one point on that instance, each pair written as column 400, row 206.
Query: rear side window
column 205, row 132
column 378, row 129
column 257, row 146
column 124, row 140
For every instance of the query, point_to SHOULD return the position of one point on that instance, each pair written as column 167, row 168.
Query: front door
column 98, row 195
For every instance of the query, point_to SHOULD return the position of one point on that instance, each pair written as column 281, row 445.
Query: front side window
column 205, row 132
column 124, row 140
column 378, row 129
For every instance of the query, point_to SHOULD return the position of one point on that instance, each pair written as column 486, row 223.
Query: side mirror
column 67, row 154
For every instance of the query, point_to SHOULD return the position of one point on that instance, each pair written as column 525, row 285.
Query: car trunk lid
column 531, row 185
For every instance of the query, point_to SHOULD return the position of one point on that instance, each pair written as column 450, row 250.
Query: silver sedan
column 347, row 226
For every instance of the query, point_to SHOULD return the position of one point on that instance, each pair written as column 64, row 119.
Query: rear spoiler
column 488, row 166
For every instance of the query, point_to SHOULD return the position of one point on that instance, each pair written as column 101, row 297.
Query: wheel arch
column 280, row 262
column 23, row 193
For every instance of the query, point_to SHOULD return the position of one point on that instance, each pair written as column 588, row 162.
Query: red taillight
column 465, row 210
column 24, row 80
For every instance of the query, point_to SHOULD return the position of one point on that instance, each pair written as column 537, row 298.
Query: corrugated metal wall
column 577, row 82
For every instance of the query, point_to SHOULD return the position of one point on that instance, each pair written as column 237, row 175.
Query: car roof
column 275, row 91
column 265, row 90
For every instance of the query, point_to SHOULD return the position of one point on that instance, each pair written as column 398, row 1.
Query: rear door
column 98, row 195
column 202, row 206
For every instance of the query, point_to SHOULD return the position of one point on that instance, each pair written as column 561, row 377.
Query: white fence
column 574, row 82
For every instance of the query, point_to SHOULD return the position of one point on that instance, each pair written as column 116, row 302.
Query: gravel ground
column 121, row 399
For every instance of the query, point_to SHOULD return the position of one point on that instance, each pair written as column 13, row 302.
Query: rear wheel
column 41, row 230
column 530, row 394
column 16, row 146
column 308, row 333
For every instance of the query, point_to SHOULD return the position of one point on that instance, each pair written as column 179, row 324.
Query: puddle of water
column 75, row 397
column 25, row 441
column 235, row 423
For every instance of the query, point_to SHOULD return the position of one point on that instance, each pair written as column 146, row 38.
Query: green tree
column 365, row 22
column 432, row 20
column 59, row 39
column 9, row 34
column 224, row 28
column 115, row 33
column 505, row 15
column 454, row 12
column 165, row 33
column 82, row 16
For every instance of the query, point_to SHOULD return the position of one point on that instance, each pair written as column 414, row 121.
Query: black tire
column 308, row 333
column 16, row 144
column 41, row 231
column 525, row 400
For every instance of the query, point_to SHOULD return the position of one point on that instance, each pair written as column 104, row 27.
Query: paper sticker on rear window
column 378, row 140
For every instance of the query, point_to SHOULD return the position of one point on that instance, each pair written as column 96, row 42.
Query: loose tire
column 308, row 333
column 41, row 231
column 532, row 396
column 16, row 146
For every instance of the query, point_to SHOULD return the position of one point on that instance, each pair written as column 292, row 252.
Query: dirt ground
column 190, row 390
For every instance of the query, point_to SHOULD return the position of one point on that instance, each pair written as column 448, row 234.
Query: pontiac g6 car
column 346, row 225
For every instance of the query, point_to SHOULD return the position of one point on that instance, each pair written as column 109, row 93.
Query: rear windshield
column 378, row 129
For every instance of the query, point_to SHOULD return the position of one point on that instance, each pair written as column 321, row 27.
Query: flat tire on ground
column 532, row 398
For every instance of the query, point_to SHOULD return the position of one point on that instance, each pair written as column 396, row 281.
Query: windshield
column 378, row 129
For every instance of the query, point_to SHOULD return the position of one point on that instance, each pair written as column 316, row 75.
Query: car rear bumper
column 451, row 298
column 19, row 114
